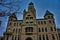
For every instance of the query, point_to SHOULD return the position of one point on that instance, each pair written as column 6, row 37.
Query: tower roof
column 48, row 13
column 30, row 3
column 13, row 16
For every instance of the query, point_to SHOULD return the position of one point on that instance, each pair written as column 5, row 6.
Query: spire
column 30, row 3
column 24, row 13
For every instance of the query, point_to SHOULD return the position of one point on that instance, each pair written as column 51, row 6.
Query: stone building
column 58, row 29
column 30, row 28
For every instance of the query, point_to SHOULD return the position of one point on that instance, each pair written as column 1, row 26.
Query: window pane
column 29, row 29
column 41, row 22
column 51, row 28
column 40, row 37
column 44, row 22
column 46, row 29
column 47, row 37
column 14, row 24
column 43, row 37
column 49, row 21
column 39, row 30
column 27, row 17
column 42, row 30
column 53, row 38
column 55, row 28
column 48, row 17
column 18, row 37
column 31, row 17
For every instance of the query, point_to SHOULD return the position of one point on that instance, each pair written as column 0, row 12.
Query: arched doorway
column 29, row 38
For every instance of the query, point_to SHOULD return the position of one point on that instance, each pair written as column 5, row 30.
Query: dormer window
column 51, row 16
column 49, row 21
column 48, row 17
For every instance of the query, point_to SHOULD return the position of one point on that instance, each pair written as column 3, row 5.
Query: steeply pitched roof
column 30, row 3
column 13, row 15
column 48, row 13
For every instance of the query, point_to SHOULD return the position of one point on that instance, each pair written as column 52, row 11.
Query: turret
column 48, row 15
column 24, row 13
column 31, row 8
column 12, row 17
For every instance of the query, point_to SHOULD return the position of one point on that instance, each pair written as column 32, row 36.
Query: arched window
column 40, row 37
column 29, row 29
column 54, row 28
column 39, row 30
column 42, row 29
column 43, row 37
column 7, row 38
column 47, row 37
column 31, row 17
column 53, row 37
column 46, row 29
column 51, row 28
column 49, row 21
column 27, row 17
column 13, row 30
